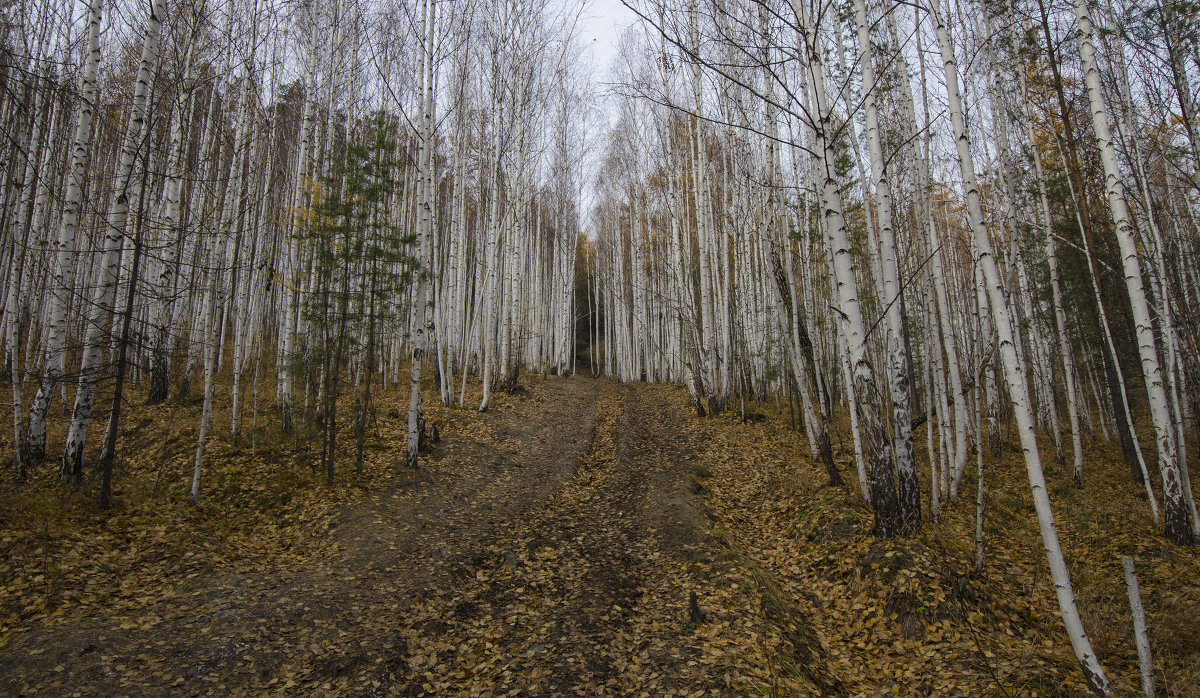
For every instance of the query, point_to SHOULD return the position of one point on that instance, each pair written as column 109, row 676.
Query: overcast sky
column 600, row 26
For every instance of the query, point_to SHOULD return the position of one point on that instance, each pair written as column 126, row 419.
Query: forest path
column 560, row 563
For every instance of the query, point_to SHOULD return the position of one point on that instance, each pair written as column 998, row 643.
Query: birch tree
column 63, row 283
column 101, row 308
column 1177, row 511
column 1013, row 370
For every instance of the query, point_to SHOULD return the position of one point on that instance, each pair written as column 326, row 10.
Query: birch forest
column 804, row 347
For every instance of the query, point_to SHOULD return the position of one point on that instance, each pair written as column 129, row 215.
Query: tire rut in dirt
column 343, row 620
column 577, row 606
column 551, row 547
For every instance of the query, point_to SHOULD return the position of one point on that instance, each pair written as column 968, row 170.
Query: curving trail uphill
column 563, row 562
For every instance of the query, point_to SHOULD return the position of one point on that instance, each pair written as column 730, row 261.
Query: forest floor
column 583, row 537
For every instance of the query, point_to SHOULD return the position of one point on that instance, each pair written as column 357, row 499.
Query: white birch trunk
column 63, row 284
column 908, row 486
column 1177, row 511
column 424, row 234
column 1014, row 373
column 888, row 521
column 101, row 311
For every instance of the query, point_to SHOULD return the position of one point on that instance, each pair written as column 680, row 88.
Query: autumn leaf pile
column 60, row 557
column 626, row 505
column 577, row 595
column 547, row 543
column 907, row 616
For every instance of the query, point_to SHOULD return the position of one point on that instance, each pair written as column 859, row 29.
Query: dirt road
column 562, row 562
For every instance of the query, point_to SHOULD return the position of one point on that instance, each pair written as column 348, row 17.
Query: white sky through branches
column 600, row 27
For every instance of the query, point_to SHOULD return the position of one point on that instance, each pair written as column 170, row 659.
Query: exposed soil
column 557, row 546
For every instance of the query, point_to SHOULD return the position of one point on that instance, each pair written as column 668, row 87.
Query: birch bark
column 101, row 310
column 421, row 332
column 888, row 518
column 908, row 486
column 1177, row 510
column 63, row 283
column 1014, row 372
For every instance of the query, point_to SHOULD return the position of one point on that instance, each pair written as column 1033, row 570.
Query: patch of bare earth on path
column 594, row 595
column 557, row 545
column 337, row 619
